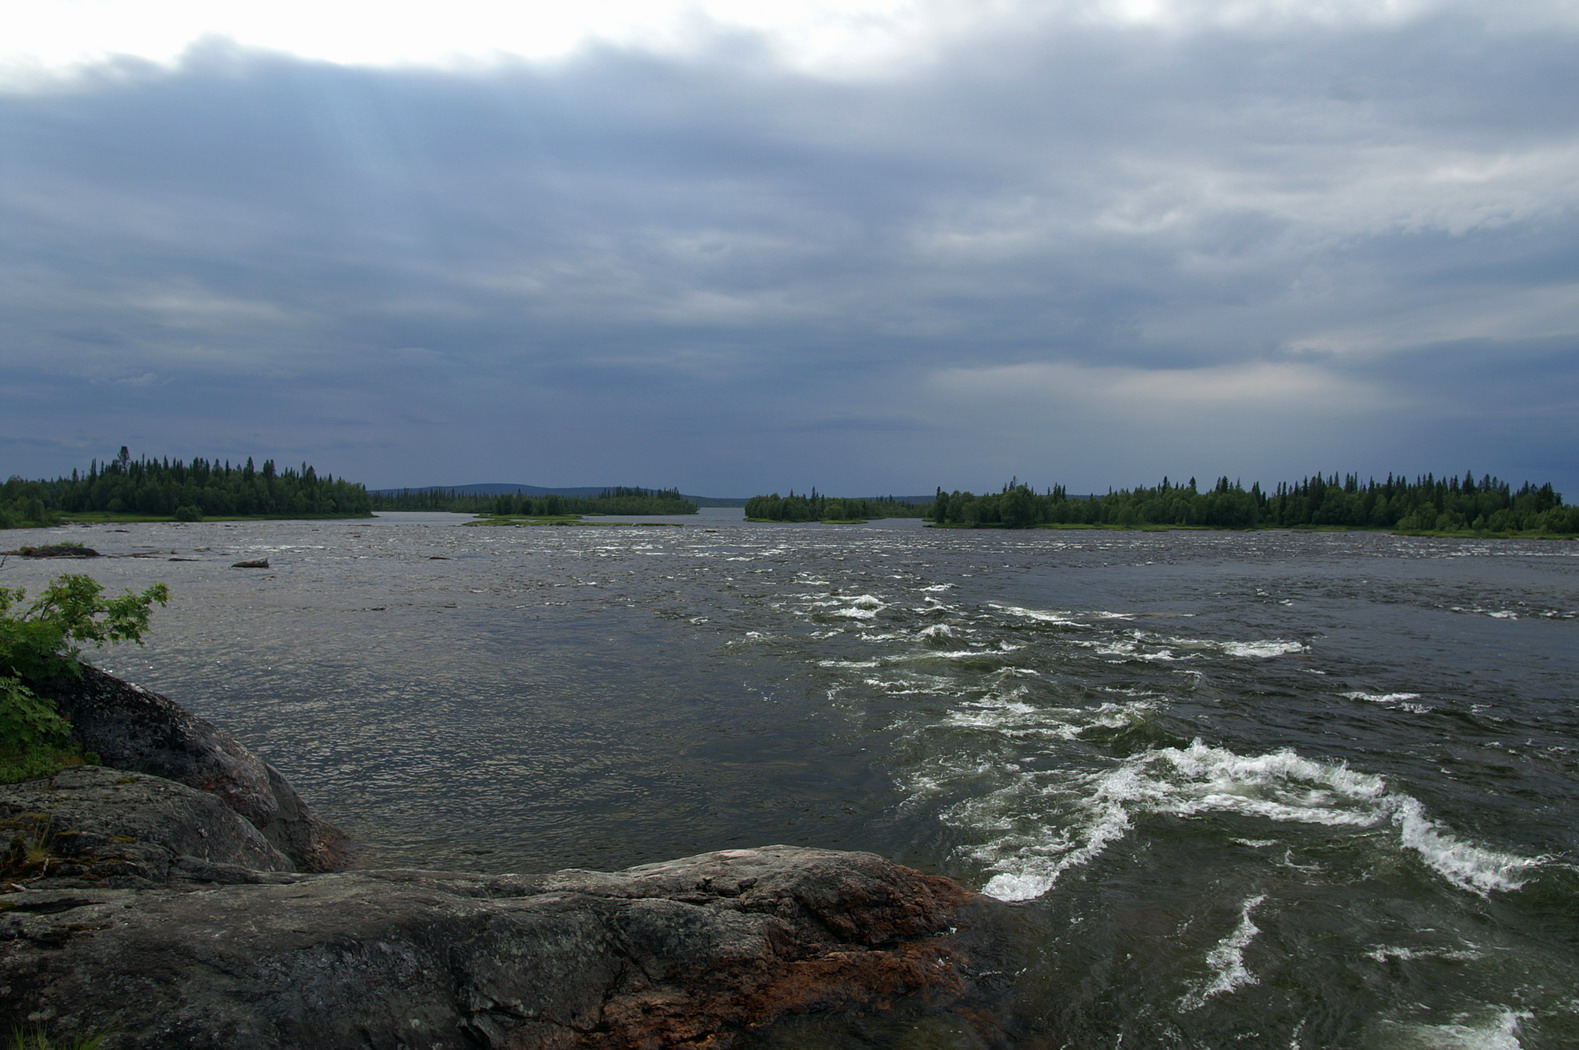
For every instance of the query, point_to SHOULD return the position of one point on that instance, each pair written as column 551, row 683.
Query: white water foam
column 1227, row 961
column 1263, row 650
column 1133, row 648
column 1029, row 867
column 1464, row 864
column 1258, row 649
column 1497, row 1031
column 859, row 607
column 1397, row 701
column 959, row 654
column 1142, row 645
column 1495, row 614
column 1012, row 716
column 1385, row 954
column 1095, row 810
column 1062, row 619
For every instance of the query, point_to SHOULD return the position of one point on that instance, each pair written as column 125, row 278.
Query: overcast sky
column 904, row 245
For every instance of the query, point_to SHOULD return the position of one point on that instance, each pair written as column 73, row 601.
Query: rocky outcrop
column 165, row 915
column 135, row 729
column 706, row 952
column 92, row 826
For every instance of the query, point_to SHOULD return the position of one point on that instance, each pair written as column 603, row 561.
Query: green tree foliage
column 22, row 505
column 1427, row 504
column 617, row 500
column 201, row 488
column 45, row 640
column 816, row 507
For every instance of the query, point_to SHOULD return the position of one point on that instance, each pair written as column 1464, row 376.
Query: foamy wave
column 1259, row 649
column 1010, row 714
column 1199, row 780
column 1227, row 961
column 1385, row 954
column 856, row 607
column 1497, row 1030
column 1062, row 619
column 990, row 716
column 1140, row 645
column 1132, row 649
column 1495, row 614
column 1265, row 650
column 1400, row 701
column 899, row 687
column 1028, row 865
column 1036, row 873
column 1464, row 864
column 959, row 654
column 862, row 607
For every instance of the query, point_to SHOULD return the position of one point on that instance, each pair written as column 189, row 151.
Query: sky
column 874, row 247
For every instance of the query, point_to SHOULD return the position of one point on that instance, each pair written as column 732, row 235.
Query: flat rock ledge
column 699, row 952
column 197, row 915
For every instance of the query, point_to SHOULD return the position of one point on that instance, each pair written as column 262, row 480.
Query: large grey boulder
column 92, row 826
column 708, row 951
column 132, row 728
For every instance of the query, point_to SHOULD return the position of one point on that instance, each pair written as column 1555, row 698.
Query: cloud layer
column 1057, row 243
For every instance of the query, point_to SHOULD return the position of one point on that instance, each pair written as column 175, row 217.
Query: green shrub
column 35, row 740
column 44, row 640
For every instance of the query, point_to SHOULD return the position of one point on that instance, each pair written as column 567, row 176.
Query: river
column 1248, row 789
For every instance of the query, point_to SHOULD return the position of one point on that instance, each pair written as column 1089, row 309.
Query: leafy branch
column 45, row 640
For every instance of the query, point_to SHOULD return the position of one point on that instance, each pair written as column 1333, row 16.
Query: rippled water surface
column 1266, row 790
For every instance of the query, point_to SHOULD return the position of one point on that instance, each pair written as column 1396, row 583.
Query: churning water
column 1263, row 790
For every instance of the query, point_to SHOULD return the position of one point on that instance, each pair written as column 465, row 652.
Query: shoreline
column 193, row 859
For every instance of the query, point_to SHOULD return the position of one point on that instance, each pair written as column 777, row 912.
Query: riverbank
column 184, row 894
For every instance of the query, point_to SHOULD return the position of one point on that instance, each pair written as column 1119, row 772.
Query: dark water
column 1262, row 790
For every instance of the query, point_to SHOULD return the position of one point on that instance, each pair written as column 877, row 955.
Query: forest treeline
column 185, row 491
column 817, row 507
column 1426, row 504
column 617, row 500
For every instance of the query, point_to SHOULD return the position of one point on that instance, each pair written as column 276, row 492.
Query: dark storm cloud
column 1244, row 252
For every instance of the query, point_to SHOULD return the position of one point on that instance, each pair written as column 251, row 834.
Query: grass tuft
column 36, row 1037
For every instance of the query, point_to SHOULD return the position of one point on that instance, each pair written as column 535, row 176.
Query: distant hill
column 498, row 488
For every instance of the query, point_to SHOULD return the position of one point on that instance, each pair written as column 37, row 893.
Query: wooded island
column 1427, row 504
column 184, row 491
column 617, row 500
